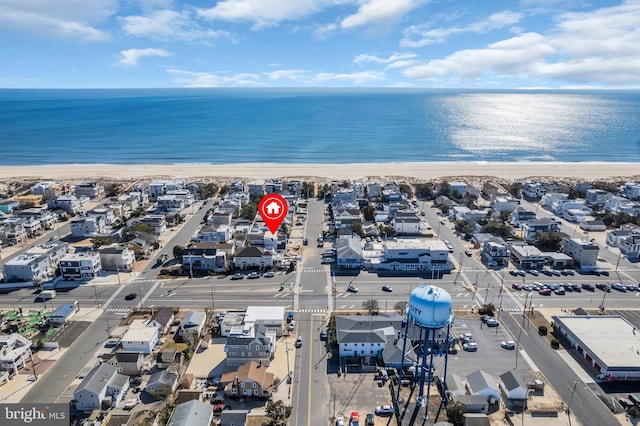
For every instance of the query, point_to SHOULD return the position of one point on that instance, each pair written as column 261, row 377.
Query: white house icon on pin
column 273, row 209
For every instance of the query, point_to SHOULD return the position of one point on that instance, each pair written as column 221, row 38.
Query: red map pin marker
column 273, row 209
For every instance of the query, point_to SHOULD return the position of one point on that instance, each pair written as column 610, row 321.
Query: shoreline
column 339, row 171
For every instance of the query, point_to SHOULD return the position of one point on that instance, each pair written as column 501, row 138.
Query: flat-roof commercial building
column 609, row 343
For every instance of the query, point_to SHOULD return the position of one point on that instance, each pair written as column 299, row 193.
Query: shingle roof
column 250, row 251
column 348, row 248
column 127, row 356
column 511, row 381
column 480, row 380
column 98, row 378
column 163, row 316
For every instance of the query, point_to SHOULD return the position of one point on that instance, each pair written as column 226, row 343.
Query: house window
column 250, row 353
column 254, row 385
column 242, row 354
column 262, row 354
column 241, row 385
column 232, row 353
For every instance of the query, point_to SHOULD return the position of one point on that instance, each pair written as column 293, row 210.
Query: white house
column 53, row 249
column 105, row 213
column 366, row 335
column 505, row 204
column 193, row 322
column 575, row 215
column 495, row 254
column 349, row 252
column 170, row 203
column 62, row 314
column 411, row 225
column 630, row 246
column 162, row 320
column 583, row 251
column 140, row 339
column 15, row 351
column 481, row 383
column 513, row 386
column 88, row 226
column 597, row 196
column 616, row 236
column 116, row 258
column 89, row 189
column 102, row 384
column 253, row 257
column 28, row 267
column 157, row 222
column 461, row 187
column 533, row 189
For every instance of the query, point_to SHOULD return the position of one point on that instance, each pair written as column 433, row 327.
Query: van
column 46, row 295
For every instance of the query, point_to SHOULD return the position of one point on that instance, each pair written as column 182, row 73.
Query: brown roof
column 252, row 370
column 186, row 395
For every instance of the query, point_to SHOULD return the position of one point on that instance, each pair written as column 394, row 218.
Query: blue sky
column 320, row 43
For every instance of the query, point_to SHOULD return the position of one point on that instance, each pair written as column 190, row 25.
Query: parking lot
column 489, row 357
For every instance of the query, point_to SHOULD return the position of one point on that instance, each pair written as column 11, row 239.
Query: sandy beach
column 422, row 171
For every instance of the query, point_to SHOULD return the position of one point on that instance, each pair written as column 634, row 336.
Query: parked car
column 352, row 288
column 387, row 288
column 466, row 337
column 588, row 287
column 370, row 419
column 299, row 342
column 384, row 409
column 340, row 421
column 534, row 272
column 556, row 272
column 354, row 419
column 544, row 292
column 470, row 347
column 619, row 287
column 468, row 252
column 604, row 287
column 508, row 344
column 253, row 275
column 527, row 287
column 522, row 272
column 513, row 272
column 516, row 286
column 269, row 274
column 492, row 323
column 559, row 291
column 323, row 335
column 130, row 296
column 305, row 242
column 237, row 276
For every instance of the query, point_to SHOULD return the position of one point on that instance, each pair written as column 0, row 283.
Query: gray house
column 192, row 413
column 259, row 348
column 102, row 384
column 234, row 418
column 193, row 322
column 129, row 363
column 513, row 386
column 162, row 380
column 349, row 253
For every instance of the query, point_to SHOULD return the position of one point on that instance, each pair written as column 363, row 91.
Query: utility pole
column 575, row 384
column 95, row 290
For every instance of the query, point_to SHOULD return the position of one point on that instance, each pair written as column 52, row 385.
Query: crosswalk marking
column 312, row 270
column 118, row 310
column 315, row 311
column 143, row 281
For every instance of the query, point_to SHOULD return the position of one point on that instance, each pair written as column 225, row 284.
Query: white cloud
column 296, row 75
column 422, row 35
column 75, row 19
column 130, row 57
column 168, row 25
column 517, row 55
column 360, row 59
column 373, row 11
column 205, row 79
column 263, row 13
column 354, row 77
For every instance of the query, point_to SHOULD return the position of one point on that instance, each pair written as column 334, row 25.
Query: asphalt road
column 587, row 408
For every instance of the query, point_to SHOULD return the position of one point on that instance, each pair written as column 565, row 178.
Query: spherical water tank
column 430, row 307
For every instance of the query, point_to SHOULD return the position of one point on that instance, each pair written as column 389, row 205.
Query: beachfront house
column 89, row 189
column 36, row 268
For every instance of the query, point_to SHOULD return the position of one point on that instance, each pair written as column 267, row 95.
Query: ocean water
column 134, row 126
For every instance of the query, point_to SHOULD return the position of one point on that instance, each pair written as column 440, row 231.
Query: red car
column 217, row 408
column 355, row 419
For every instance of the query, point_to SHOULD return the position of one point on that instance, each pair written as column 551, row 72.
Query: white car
column 508, row 344
column 352, row 288
column 470, row 347
column 384, row 409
